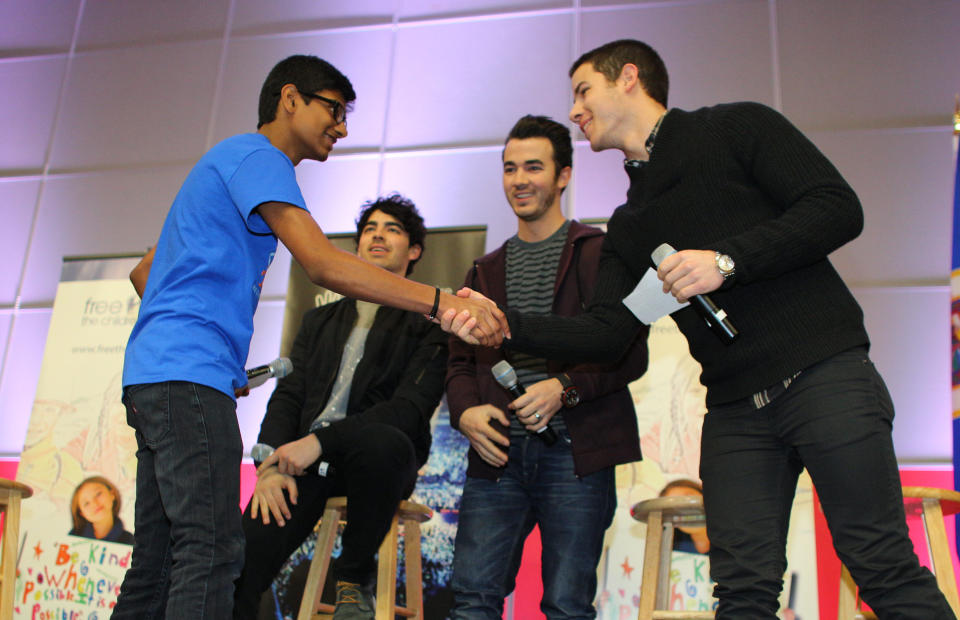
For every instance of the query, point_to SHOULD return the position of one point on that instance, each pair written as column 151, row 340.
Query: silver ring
column 537, row 416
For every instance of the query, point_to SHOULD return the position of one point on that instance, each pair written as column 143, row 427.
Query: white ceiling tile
column 94, row 214
column 868, row 63
column 910, row 345
column 468, row 82
column 31, row 87
column 136, row 106
column 18, row 200
column 20, row 375
column 108, row 23
column 31, row 27
column 250, row 60
column 714, row 51
column 904, row 180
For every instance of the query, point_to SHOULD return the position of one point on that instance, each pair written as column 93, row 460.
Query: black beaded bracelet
column 436, row 304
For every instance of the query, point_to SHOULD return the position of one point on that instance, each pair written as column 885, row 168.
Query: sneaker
column 354, row 602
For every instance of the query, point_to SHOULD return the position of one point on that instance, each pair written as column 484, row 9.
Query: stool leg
column 414, row 568
column 651, row 565
column 940, row 551
column 320, row 563
column 11, row 542
column 387, row 573
column 666, row 558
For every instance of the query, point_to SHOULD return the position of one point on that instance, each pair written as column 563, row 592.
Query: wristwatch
column 570, row 396
column 725, row 265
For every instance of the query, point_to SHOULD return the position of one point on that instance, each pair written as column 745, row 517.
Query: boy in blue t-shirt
column 184, row 361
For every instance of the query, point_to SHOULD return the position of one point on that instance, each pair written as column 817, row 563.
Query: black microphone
column 715, row 316
column 506, row 376
column 280, row 367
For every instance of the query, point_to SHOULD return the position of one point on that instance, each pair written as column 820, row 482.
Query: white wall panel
column 17, row 202
column 868, row 63
column 20, row 374
column 30, row 90
column 469, row 82
column 905, row 182
column 455, row 188
column 599, row 181
column 31, row 27
column 108, row 23
column 362, row 56
column 910, row 333
column 714, row 51
column 137, row 105
column 111, row 212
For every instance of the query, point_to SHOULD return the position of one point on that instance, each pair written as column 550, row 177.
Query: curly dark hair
column 531, row 126
column 405, row 212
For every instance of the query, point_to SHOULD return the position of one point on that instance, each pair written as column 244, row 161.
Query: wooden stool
column 931, row 504
column 408, row 513
column 661, row 515
column 10, row 495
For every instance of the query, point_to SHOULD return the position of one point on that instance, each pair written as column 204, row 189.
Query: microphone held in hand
column 279, row 368
column 715, row 317
column 506, row 376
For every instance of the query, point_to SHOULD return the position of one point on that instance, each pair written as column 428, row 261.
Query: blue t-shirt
column 196, row 318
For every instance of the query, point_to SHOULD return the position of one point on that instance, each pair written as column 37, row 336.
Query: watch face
column 570, row 397
column 725, row 263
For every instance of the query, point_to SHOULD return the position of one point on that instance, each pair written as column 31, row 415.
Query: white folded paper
column 648, row 302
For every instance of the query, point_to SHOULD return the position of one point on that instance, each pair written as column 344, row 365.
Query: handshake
column 473, row 318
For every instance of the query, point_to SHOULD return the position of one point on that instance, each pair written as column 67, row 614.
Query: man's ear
column 629, row 76
column 563, row 179
column 414, row 252
column 288, row 98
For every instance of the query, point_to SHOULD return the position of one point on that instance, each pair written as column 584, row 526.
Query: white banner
column 79, row 454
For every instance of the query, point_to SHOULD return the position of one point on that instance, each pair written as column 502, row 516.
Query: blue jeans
column 538, row 487
column 834, row 419
column 188, row 547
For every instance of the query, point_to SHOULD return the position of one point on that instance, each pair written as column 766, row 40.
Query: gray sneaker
column 354, row 602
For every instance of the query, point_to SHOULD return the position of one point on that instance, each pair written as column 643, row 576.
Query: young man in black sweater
column 754, row 209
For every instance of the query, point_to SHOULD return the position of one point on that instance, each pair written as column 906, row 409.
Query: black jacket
column 398, row 382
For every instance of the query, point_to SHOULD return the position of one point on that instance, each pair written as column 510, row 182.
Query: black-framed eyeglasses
column 337, row 109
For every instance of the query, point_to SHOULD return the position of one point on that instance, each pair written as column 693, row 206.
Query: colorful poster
column 79, row 455
column 955, row 309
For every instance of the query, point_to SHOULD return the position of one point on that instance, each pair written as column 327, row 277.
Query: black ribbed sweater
column 738, row 178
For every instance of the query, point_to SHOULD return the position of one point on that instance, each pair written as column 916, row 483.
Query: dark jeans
column 538, row 487
column 375, row 466
column 834, row 419
column 188, row 544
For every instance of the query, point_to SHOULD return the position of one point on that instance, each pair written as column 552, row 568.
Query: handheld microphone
column 506, row 376
column 280, row 367
column 715, row 316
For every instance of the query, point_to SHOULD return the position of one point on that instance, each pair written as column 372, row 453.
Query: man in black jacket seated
column 754, row 208
column 357, row 408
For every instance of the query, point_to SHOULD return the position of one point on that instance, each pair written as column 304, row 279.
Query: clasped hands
column 534, row 410
column 276, row 474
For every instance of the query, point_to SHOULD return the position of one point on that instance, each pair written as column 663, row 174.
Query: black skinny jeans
column 834, row 419
column 375, row 467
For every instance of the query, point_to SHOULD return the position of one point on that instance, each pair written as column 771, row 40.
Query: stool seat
column 11, row 493
column 410, row 515
column 662, row 514
column 931, row 505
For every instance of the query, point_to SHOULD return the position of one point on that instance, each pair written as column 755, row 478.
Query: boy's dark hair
column 531, row 126
column 309, row 74
column 609, row 59
column 405, row 212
